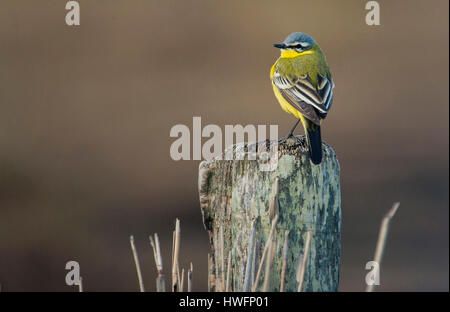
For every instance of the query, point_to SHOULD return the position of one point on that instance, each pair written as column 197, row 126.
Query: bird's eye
column 298, row 46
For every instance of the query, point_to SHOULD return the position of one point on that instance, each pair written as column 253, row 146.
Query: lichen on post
column 235, row 193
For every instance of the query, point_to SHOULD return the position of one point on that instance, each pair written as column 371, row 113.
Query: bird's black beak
column 279, row 45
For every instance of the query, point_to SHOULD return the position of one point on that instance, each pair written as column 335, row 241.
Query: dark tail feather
column 315, row 144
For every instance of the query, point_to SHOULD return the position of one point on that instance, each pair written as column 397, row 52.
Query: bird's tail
column 314, row 143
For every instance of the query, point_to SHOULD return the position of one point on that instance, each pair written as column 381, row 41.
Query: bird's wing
column 313, row 102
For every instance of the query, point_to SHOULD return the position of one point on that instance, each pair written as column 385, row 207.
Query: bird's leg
column 290, row 134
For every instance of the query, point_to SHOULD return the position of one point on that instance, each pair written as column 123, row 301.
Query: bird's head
column 296, row 44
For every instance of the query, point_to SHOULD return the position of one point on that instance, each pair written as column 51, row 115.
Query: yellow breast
column 283, row 103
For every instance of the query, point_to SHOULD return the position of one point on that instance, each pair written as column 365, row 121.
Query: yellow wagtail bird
column 302, row 83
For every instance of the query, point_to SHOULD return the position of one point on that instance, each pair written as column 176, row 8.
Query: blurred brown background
column 85, row 115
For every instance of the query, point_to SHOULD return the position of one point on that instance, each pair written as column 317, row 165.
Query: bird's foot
column 282, row 140
column 290, row 135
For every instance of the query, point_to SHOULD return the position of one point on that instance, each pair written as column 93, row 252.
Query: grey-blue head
column 297, row 41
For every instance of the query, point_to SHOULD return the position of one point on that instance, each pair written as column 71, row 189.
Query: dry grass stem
column 284, row 263
column 382, row 236
column 160, row 283
column 298, row 267
column 178, row 277
column 248, row 267
column 258, row 274
column 305, row 260
column 80, row 284
column 274, row 208
column 156, row 252
column 182, row 281
column 173, row 246
column 160, row 279
column 269, row 261
column 176, row 251
column 222, row 256
column 189, row 277
column 254, row 261
column 209, row 272
column 138, row 266
column 227, row 284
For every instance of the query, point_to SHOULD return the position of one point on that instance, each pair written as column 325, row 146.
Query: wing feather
column 313, row 102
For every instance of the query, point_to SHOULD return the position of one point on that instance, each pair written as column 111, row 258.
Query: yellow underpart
column 285, row 104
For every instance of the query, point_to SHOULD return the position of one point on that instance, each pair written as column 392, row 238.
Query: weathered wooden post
column 234, row 194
